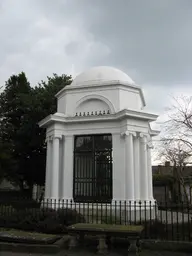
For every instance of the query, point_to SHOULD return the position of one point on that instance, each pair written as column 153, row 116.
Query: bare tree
column 179, row 125
column 178, row 154
column 176, row 138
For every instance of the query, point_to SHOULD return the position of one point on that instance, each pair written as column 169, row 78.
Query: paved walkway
column 174, row 217
column 91, row 253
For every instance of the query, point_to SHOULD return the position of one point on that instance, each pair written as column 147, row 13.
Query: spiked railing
column 93, row 113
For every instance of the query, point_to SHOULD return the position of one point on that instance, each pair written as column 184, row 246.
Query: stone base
column 102, row 246
column 72, row 242
column 122, row 212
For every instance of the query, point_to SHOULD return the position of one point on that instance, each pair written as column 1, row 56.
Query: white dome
column 101, row 75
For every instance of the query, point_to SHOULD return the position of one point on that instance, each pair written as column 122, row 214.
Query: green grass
column 6, row 209
column 24, row 234
column 107, row 227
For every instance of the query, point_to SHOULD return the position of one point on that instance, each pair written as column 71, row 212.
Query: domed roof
column 101, row 75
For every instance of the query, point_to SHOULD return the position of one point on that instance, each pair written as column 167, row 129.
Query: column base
column 118, row 212
column 50, row 203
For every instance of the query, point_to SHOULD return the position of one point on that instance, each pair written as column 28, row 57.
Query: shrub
column 68, row 217
column 6, row 209
column 41, row 220
column 26, row 204
column 9, row 221
column 163, row 180
column 33, row 219
column 153, row 229
column 50, row 225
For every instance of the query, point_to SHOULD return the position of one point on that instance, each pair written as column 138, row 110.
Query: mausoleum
column 99, row 141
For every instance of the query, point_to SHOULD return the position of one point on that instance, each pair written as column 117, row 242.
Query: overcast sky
column 150, row 40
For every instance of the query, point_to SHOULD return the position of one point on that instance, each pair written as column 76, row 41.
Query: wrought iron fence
column 165, row 221
column 93, row 168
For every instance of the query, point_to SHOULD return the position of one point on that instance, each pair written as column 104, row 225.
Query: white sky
column 149, row 40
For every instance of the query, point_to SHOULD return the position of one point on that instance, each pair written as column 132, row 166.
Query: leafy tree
column 13, row 111
column 4, row 160
column 21, row 108
column 42, row 103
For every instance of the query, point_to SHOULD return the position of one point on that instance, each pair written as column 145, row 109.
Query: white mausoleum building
column 99, row 140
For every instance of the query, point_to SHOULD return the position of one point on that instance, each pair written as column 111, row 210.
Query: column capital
column 48, row 139
column 142, row 134
column 150, row 145
column 127, row 133
column 52, row 137
column 57, row 136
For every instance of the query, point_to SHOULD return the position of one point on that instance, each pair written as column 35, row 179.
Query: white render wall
column 69, row 103
column 130, row 99
column 132, row 173
column 126, row 121
column 120, row 97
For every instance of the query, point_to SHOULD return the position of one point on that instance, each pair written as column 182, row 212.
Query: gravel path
column 174, row 217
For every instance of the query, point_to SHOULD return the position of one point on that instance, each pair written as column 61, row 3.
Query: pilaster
column 129, row 165
column 149, row 166
column 137, row 165
column 55, row 167
column 144, row 167
column 68, row 167
column 48, row 175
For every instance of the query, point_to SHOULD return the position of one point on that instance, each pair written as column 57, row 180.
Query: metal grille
column 93, row 168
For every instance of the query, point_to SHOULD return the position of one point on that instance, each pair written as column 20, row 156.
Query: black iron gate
column 93, row 168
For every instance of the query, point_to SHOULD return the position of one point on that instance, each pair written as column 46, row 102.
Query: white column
column 150, row 176
column 118, row 168
column 62, row 169
column 143, row 168
column 68, row 168
column 48, row 175
column 129, row 166
column 34, row 196
column 55, row 168
column 136, row 146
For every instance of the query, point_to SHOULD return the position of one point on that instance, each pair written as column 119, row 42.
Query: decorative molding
column 54, row 136
column 96, row 97
column 135, row 134
column 57, row 136
column 142, row 135
column 123, row 114
column 150, row 145
column 93, row 113
column 48, row 139
column 127, row 133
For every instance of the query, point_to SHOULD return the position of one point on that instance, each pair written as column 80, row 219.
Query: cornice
column 123, row 114
column 102, row 85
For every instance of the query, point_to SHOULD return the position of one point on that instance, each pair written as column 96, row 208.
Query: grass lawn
column 108, row 227
column 14, row 235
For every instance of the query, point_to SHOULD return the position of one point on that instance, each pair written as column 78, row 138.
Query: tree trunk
column 178, row 174
column 182, row 182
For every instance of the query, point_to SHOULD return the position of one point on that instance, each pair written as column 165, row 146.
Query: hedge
column 163, row 180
